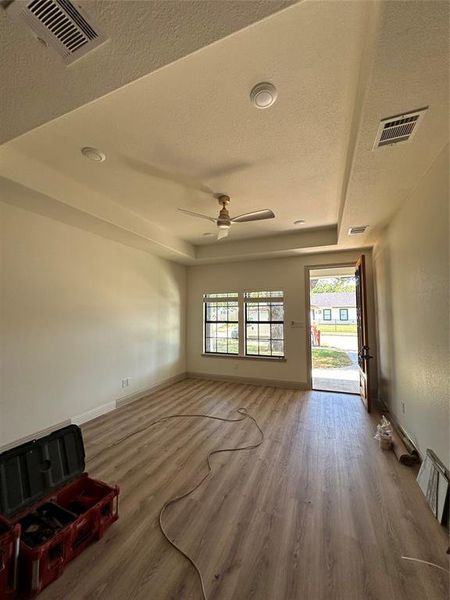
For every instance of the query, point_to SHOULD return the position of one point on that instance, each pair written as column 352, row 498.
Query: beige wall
column 286, row 274
column 411, row 264
column 78, row 314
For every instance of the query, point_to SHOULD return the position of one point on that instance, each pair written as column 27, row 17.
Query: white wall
column 411, row 263
column 286, row 274
column 78, row 314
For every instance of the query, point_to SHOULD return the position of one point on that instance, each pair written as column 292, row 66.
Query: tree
column 326, row 285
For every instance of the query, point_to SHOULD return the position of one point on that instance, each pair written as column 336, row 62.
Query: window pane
column 264, row 312
column 224, row 295
column 277, row 294
column 252, row 347
column 211, row 330
column 222, row 330
column 233, row 311
column 264, row 331
column 211, row 312
column 277, row 348
column 277, row 312
column 252, row 332
column 252, row 312
column 233, row 331
column 222, row 311
column 264, row 348
column 221, row 345
column 233, row 346
column 277, row 331
column 210, row 345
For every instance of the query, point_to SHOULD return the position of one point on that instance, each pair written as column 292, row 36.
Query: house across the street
column 333, row 307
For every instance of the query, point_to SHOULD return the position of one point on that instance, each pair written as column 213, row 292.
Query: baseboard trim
column 296, row 385
column 98, row 411
column 35, row 436
column 155, row 388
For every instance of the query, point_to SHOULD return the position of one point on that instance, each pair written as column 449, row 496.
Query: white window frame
column 242, row 298
column 212, row 298
column 247, row 299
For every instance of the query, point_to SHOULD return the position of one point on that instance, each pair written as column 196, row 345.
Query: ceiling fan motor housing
column 224, row 216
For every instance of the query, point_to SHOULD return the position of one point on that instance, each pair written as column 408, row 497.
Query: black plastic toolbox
column 58, row 509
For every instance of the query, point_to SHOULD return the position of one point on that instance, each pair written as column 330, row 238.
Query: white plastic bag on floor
column 384, row 433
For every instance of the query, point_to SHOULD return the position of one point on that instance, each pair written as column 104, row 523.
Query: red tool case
column 58, row 508
column 9, row 553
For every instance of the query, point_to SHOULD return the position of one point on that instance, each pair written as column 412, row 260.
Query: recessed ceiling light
column 93, row 154
column 299, row 222
column 263, row 95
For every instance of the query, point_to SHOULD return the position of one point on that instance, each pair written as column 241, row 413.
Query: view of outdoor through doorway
column 334, row 336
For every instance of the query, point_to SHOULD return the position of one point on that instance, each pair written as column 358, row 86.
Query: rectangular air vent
column 400, row 128
column 60, row 25
column 358, row 229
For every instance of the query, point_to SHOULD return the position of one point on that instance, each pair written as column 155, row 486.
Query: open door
column 363, row 337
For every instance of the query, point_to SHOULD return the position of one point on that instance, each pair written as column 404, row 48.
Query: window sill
column 239, row 357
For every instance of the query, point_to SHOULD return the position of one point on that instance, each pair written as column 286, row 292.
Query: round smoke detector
column 93, row 154
column 263, row 95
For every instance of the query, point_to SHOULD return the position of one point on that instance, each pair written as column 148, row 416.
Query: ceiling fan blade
column 222, row 232
column 200, row 216
column 257, row 215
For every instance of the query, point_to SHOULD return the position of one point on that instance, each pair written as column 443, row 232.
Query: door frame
column 307, row 278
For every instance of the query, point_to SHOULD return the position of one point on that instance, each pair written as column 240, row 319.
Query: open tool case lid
column 33, row 470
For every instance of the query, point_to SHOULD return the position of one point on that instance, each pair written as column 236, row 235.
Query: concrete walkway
column 336, row 380
column 345, row 379
column 342, row 342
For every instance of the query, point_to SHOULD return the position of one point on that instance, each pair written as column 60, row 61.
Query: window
column 262, row 333
column 327, row 314
column 264, row 324
column 343, row 314
column 221, row 323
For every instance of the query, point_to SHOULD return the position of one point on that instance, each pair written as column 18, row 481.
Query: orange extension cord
column 244, row 415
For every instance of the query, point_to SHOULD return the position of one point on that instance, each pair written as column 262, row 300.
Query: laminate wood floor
column 317, row 512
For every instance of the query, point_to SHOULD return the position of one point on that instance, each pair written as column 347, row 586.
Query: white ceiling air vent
column 59, row 24
column 400, row 128
column 357, row 230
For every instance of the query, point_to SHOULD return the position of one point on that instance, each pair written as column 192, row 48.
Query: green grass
column 338, row 328
column 324, row 358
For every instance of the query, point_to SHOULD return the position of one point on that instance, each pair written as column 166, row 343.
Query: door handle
column 364, row 354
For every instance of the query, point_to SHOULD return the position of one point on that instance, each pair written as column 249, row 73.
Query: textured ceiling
column 194, row 119
column 409, row 70
column 189, row 127
column 144, row 36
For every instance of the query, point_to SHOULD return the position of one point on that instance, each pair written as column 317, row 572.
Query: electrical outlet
column 125, row 382
column 403, row 408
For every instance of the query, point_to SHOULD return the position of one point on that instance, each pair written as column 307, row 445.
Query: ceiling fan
column 224, row 221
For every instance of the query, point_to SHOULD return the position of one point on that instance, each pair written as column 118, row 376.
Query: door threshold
column 335, row 392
